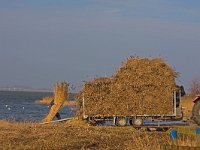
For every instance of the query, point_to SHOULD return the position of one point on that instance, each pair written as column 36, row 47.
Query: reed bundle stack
column 60, row 95
column 144, row 86
column 140, row 86
column 96, row 94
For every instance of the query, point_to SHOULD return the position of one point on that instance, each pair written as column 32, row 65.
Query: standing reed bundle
column 60, row 95
column 60, row 92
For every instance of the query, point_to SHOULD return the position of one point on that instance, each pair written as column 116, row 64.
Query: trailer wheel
column 120, row 121
column 138, row 122
column 196, row 112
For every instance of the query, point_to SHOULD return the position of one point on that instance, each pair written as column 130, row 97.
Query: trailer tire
column 120, row 121
column 196, row 112
column 138, row 122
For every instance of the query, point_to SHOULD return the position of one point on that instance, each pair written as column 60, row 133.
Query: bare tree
column 194, row 87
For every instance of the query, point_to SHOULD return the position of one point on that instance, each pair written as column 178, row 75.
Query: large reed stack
column 144, row 86
column 140, row 86
column 60, row 95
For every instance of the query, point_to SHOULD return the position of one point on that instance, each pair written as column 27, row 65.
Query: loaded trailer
column 142, row 89
column 142, row 119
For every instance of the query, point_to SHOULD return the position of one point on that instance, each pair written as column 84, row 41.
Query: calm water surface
column 21, row 107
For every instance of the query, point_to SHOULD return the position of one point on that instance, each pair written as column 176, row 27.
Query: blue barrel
column 198, row 136
column 173, row 134
column 198, row 131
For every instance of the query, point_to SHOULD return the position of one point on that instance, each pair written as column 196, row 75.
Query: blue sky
column 45, row 41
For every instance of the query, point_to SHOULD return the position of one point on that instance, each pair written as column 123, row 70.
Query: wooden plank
column 54, row 121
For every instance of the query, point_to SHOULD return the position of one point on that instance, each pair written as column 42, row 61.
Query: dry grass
column 187, row 104
column 45, row 100
column 78, row 135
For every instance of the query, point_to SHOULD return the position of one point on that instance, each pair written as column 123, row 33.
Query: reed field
column 76, row 135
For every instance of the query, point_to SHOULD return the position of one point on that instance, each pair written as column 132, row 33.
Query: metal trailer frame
column 96, row 118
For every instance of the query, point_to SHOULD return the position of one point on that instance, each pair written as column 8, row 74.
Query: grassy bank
column 78, row 135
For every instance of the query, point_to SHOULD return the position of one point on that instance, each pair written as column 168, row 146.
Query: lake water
column 21, row 107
